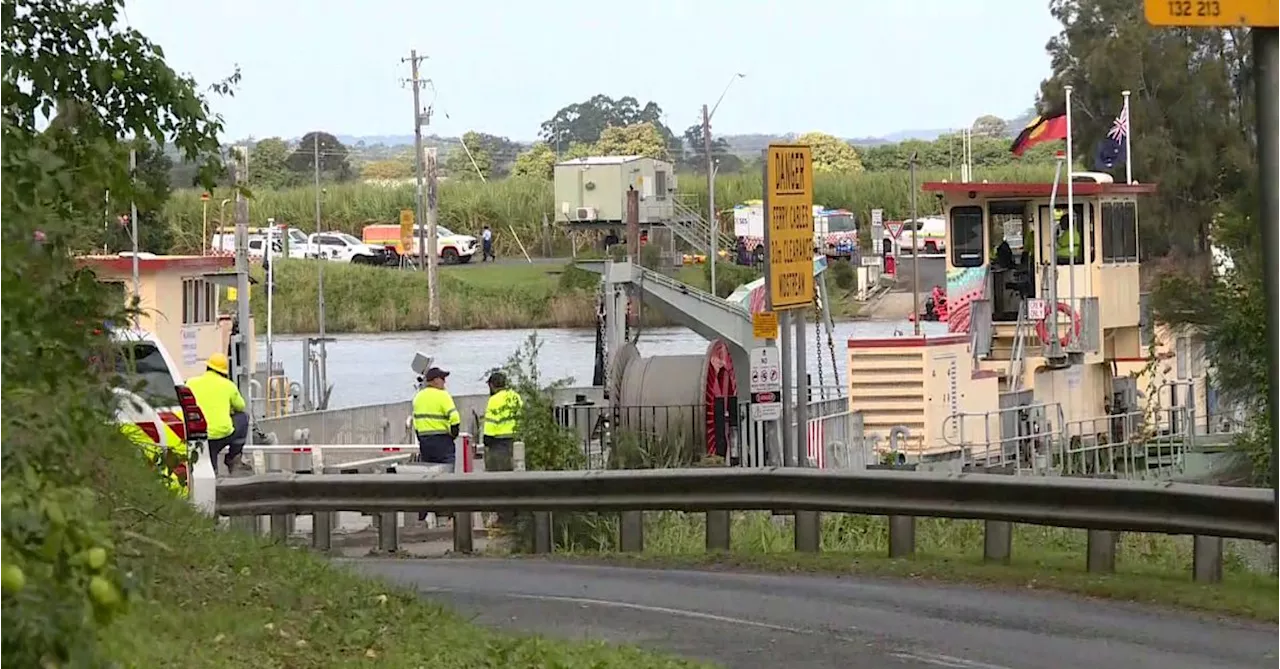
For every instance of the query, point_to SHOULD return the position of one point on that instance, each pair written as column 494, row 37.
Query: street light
column 713, row 222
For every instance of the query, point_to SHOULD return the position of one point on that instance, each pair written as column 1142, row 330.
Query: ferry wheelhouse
column 1048, row 348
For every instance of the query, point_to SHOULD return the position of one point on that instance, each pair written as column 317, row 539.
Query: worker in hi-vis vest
column 501, row 422
column 435, row 419
column 224, row 411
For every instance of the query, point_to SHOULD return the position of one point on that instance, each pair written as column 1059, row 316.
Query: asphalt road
column 806, row 622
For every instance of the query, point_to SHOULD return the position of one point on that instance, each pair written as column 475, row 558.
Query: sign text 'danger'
column 791, row 172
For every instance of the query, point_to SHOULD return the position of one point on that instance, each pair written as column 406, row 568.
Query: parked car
column 454, row 248
column 224, row 240
column 342, row 247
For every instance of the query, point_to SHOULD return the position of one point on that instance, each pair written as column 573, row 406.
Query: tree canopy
column 584, row 122
column 831, row 154
column 335, row 163
column 639, row 139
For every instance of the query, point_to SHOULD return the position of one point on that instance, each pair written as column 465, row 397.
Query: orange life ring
column 1042, row 328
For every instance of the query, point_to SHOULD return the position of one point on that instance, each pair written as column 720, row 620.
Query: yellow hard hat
column 218, row 363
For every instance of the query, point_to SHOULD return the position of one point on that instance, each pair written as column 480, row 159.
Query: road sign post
column 788, row 238
column 766, row 384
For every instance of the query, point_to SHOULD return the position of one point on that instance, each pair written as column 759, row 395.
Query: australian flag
column 1112, row 148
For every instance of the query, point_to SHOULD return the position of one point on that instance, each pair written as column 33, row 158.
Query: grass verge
column 214, row 598
column 1150, row 568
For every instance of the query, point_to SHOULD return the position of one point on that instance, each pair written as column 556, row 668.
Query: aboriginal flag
column 1043, row 128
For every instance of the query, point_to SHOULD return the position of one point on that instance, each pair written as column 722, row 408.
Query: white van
column 224, row 240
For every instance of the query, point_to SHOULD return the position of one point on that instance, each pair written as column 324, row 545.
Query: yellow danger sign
column 764, row 325
column 1212, row 13
column 788, row 208
column 406, row 231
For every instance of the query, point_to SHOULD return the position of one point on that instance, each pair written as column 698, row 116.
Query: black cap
column 436, row 373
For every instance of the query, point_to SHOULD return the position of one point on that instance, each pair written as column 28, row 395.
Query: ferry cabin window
column 966, row 236
column 660, row 185
column 1119, row 232
column 1061, row 244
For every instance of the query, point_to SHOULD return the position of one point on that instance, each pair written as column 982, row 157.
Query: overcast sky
column 853, row 68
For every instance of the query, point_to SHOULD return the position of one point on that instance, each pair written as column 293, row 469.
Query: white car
column 454, row 248
column 342, row 247
column 298, row 244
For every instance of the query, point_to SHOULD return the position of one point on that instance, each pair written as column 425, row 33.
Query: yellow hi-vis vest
column 434, row 412
column 502, row 413
column 158, row 456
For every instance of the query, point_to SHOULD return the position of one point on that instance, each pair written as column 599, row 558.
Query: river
column 374, row 368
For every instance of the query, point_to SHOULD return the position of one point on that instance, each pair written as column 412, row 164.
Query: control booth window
column 966, row 237
column 199, row 302
column 1055, row 228
column 1119, row 232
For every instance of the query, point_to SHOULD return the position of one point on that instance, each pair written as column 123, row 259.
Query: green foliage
column 585, row 122
column 537, row 163
column 576, row 278
column 638, row 139
column 831, row 155
column 269, row 165
column 334, row 159
column 989, row 152
column 65, row 563
column 728, row 277
column 842, row 272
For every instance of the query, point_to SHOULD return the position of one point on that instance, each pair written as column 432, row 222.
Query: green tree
column 335, row 163
column 831, row 154
column 989, row 125
column 151, row 192
column 639, row 139
column 471, row 160
column 66, row 549
column 538, row 162
column 269, row 165
column 584, row 122
column 694, row 155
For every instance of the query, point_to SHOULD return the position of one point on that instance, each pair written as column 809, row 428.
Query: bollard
column 322, row 530
column 1206, row 559
column 717, row 531
column 463, row 541
column 902, row 536
column 245, row 523
column 388, row 532
column 808, row 532
column 1101, row 551
column 542, row 532
column 631, row 531
column 997, row 541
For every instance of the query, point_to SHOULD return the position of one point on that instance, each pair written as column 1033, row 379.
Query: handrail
column 1116, row 505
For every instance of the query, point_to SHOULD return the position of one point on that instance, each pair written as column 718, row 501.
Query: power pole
column 711, row 194
column 433, row 255
column 420, row 118
column 243, row 341
column 323, row 367
column 915, row 250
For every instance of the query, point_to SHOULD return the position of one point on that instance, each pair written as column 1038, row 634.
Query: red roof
column 1086, row 188
column 153, row 263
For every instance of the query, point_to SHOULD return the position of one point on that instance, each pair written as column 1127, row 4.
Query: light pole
column 713, row 222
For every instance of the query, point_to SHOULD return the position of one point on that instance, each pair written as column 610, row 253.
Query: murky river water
column 374, row 368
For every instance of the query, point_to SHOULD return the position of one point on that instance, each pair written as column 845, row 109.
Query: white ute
column 342, row 247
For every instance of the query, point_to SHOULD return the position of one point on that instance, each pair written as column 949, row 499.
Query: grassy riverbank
column 206, row 597
column 1150, row 568
column 515, row 207
column 377, row 299
column 360, row 298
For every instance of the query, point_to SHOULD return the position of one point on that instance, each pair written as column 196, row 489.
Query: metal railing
column 1131, row 445
column 1018, row 438
column 1104, row 507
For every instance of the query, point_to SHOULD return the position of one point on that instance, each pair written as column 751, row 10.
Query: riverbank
column 365, row 299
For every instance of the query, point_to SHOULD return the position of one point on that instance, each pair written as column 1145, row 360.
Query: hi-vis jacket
column 502, row 414
column 434, row 412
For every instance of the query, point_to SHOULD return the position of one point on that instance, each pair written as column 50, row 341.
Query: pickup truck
column 342, row 247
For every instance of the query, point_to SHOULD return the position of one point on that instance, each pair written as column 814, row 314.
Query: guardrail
column 1104, row 507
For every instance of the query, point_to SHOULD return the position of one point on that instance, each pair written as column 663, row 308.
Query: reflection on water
column 374, row 368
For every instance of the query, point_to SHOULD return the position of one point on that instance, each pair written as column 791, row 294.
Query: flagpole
column 1071, row 226
column 1128, row 140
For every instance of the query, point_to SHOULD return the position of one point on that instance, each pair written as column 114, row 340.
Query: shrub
column 844, row 275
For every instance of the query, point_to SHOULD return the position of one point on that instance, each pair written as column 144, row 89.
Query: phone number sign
column 788, row 205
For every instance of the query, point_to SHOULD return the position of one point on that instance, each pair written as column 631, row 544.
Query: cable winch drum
column 673, row 396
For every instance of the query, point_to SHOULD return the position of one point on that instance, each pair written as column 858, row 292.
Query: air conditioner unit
column 587, row 213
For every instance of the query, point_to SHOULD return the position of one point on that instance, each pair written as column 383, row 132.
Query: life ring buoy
column 1042, row 328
